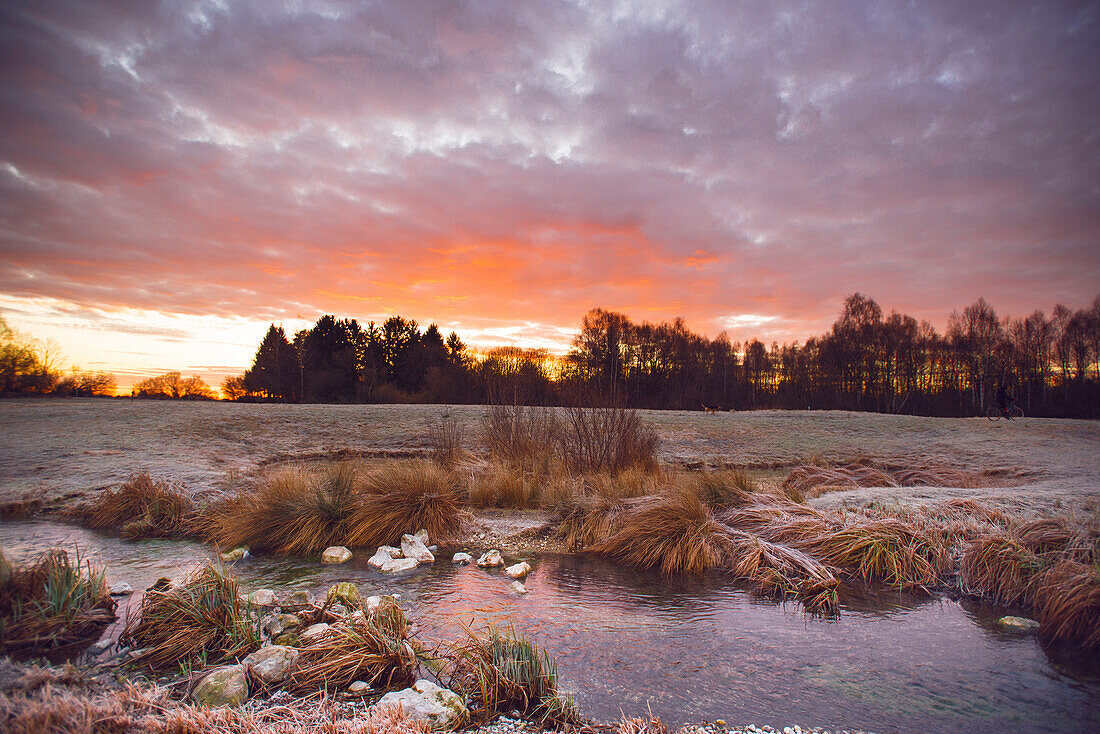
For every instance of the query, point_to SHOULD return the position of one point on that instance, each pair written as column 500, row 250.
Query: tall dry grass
column 674, row 532
column 142, row 507
column 445, row 441
column 818, row 477
column 403, row 497
column 201, row 621
column 54, row 607
column 522, row 436
column 294, row 511
column 1067, row 598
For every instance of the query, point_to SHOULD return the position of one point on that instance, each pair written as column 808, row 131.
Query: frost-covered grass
column 54, row 448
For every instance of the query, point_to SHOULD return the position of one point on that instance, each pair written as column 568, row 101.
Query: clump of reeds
column 503, row 671
column 1000, row 568
column 725, row 488
column 589, row 521
column 817, row 477
column 887, row 550
column 53, row 607
column 1067, row 599
column 143, row 507
column 198, row 622
column 674, row 532
column 377, row 651
column 403, row 497
column 611, row 440
column 294, row 511
column 502, row 485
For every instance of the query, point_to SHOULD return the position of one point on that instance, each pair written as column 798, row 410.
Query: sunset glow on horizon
column 175, row 177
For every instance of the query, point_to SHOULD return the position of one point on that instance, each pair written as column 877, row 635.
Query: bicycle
column 1012, row 412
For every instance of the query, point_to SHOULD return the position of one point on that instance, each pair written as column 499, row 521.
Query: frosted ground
column 54, row 449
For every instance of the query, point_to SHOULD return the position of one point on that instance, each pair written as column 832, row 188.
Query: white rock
column 462, row 559
column 390, row 551
column 336, row 554
column 313, row 631
column 261, row 598
column 373, row 602
column 519, row 570
column 379, row 559
column 426, row 701
column 422, row 535
column 413, row 547
column 396, row 565
column 1019, row 624
column 492, row 558
column 121, row 588
column 227, row 686
column 360, row 688
column 272, row 665
column 518, row 587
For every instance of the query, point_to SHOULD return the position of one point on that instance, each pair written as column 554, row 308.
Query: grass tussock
column 502, row 672
column 503, row 485
column 377, row 651
column 887, row 551
column 1000, row 568
column 674, row 532
column 1067, row 598
column 403, row 497
column 143, row 507
column 199, row 622
column 294, row 511
column 723, row 489
column 638, row 725
column 818, row 477
column 53, row 607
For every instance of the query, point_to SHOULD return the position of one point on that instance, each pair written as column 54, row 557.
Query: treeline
column 27, row 367
column 867, row 361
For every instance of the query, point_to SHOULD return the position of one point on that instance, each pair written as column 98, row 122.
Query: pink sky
column 173, row 178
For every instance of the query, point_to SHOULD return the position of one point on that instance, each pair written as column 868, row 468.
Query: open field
column 60, row 449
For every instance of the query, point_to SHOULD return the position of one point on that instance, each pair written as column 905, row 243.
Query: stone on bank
column 226, row 686
column 441, row 708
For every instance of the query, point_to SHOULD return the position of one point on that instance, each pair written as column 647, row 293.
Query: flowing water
column 693, row 649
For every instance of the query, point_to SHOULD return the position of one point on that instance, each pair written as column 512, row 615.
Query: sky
column 176, row 176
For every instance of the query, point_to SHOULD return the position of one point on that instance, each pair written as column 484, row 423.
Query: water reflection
column 700, row 647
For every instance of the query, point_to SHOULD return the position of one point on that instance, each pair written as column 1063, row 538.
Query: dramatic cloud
column 502, row 167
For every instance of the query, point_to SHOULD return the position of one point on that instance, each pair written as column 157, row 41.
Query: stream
column 689, row 649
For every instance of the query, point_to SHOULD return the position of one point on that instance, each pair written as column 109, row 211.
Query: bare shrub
column 596, row 440
column 522, row 436
column 445, row 441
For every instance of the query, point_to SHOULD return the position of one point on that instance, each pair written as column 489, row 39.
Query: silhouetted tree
column 275, row 373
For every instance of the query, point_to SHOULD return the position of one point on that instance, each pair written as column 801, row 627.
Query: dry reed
column 198, row 622
column 503, row 672
column 54, row 607
column 376, row 651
